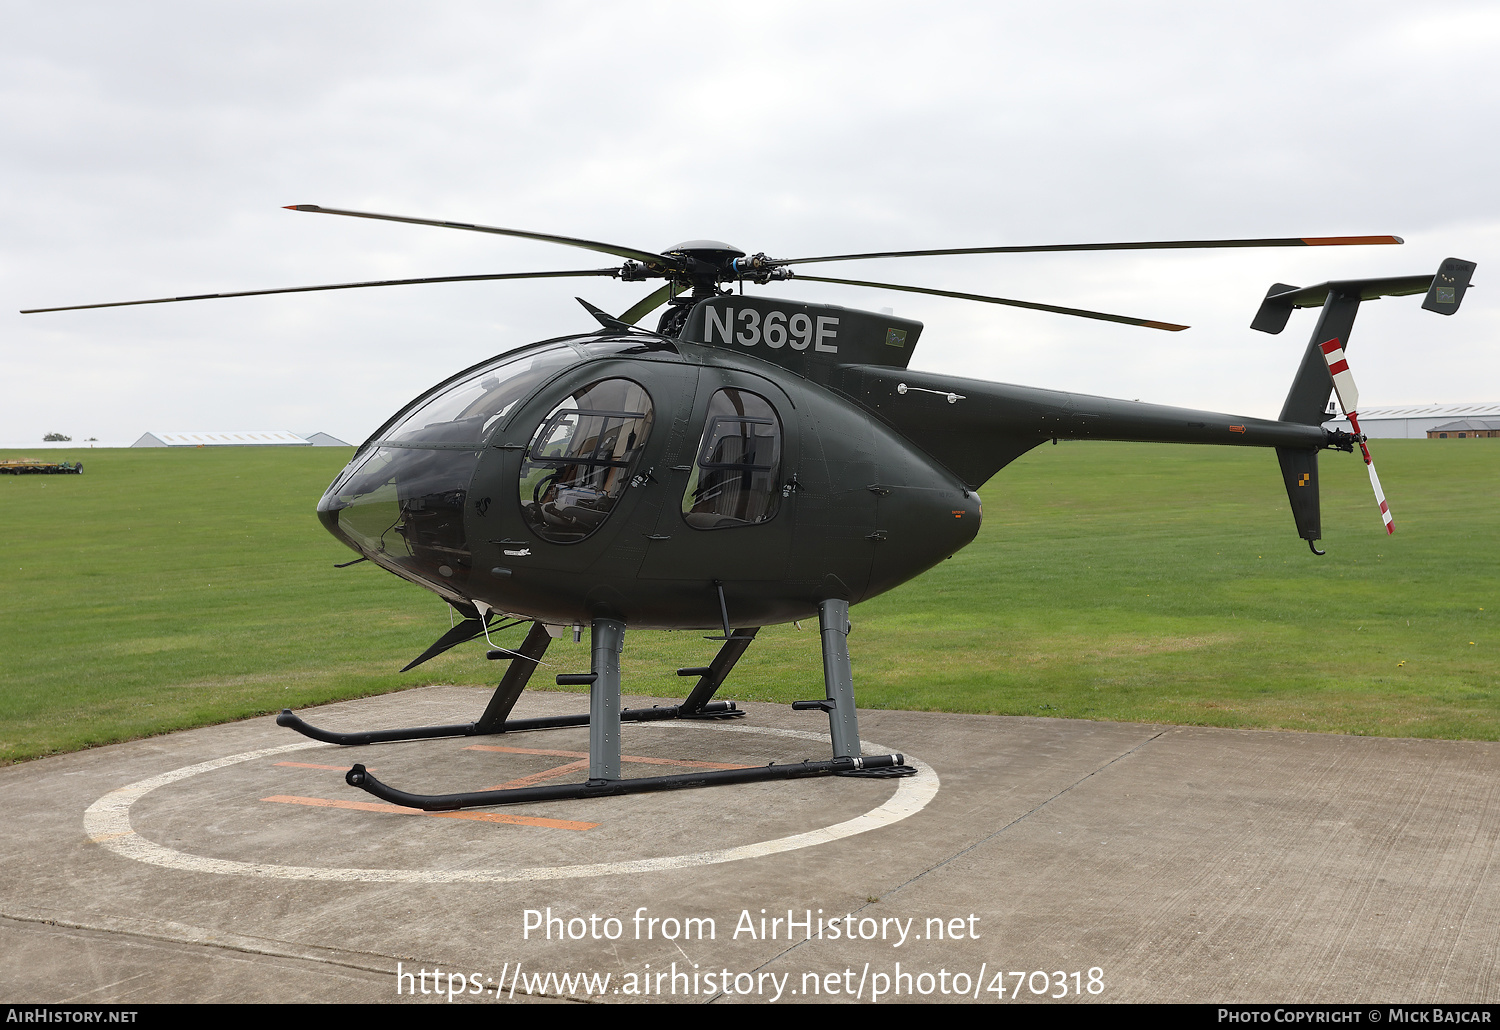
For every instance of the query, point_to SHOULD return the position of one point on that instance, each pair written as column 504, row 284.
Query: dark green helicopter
column 752, row 461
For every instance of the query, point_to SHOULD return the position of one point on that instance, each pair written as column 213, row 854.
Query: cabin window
column 581, row 459
column 735, row 476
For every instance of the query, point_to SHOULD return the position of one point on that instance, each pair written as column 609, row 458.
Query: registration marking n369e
column 778, row 330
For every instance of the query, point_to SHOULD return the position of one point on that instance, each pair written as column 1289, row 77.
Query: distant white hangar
column 1412, row 421
column 238, row 438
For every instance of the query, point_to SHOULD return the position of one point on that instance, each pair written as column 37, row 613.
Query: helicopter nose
column 403, row 508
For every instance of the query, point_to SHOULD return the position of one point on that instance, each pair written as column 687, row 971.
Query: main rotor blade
column 335, row 286
column 1306, row 241
column 643, row 307
column 1080, row 312
column 567, row 241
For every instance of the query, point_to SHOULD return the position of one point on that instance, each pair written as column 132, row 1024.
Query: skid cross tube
column 360, row 777
column 495, row 718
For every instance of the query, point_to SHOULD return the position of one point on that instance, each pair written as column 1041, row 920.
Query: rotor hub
column 705, row 263
column 711, row 251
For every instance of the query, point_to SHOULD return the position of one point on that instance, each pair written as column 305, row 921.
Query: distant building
column 325, row 440
column 1467, row 428
column 1413, row 421
column 238, row 438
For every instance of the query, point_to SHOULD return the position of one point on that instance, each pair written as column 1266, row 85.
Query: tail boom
column 989, row 425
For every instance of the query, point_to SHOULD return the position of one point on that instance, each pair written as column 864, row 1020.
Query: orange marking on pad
column 535, row 778
column 527, row 751
column 483, row 817
column 623, row 758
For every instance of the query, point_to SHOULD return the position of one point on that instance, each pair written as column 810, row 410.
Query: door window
column 735, row 477
column 581, row 459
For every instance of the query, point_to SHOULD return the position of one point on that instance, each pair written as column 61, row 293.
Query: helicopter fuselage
column 634, row 477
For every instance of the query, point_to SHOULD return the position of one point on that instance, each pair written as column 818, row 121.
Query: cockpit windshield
column 463, row 412
column 401, row 500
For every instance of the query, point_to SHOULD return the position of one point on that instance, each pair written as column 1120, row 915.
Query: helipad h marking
column 107, row 822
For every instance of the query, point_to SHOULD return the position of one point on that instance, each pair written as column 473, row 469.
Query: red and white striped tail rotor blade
column 1385, row 509
column 1348, row 394
column 1343, row 379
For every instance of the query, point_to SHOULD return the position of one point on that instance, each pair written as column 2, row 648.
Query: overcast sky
column 146, row 150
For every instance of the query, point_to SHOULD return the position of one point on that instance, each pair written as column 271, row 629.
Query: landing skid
column 712, row 710
column 605, row 717
column 360, row 777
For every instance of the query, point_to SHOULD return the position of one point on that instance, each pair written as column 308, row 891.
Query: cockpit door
column 572, row 485
column 729, row 509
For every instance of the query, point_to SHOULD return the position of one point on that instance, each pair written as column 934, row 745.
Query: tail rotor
column 1348, row 395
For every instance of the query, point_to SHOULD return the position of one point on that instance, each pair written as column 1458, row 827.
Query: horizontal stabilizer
column 1445, row 291
column 1281, row 299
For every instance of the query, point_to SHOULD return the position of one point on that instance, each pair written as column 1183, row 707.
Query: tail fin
column 1307, row 401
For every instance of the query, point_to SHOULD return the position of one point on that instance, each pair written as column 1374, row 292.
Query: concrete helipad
column 1030, row 860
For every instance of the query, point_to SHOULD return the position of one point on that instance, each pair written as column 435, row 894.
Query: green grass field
column 171, row 588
